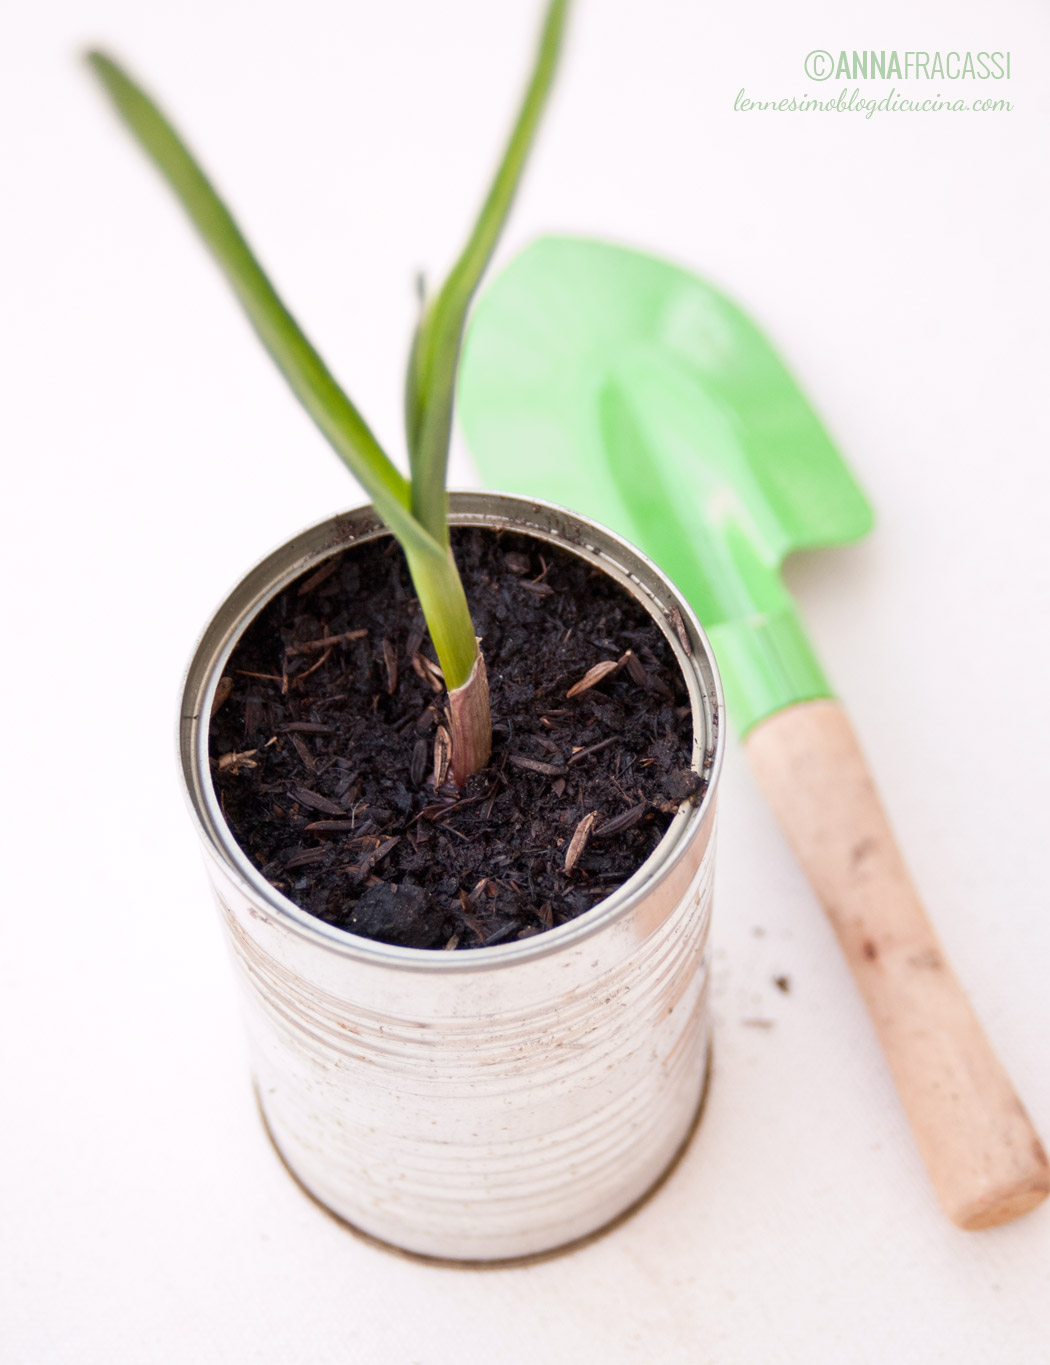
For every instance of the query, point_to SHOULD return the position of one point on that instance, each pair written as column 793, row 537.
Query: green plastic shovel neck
column 766, row 664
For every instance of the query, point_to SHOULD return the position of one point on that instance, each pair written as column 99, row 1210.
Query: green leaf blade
column 431, row 379
column 305, row 371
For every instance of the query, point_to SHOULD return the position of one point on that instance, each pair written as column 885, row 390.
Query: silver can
column 494, row 1103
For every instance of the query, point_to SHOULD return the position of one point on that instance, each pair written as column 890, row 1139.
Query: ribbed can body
column 496, row 1102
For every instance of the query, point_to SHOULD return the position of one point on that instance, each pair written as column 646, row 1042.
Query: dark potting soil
column 324, row 735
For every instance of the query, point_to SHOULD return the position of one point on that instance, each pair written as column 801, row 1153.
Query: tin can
column 495, row 1103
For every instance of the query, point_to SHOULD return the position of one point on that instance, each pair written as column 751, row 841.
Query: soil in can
column 328, row 747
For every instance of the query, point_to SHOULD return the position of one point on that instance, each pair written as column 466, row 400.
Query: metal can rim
column 531, row 516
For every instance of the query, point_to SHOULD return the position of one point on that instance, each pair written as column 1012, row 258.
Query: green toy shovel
column 632, row 391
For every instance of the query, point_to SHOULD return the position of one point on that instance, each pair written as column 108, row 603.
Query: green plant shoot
column 415, row 511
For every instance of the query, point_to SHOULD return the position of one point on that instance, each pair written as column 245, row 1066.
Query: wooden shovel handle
column 982, row 1153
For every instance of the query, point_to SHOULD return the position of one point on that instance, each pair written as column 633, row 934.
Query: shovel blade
column 633, row 391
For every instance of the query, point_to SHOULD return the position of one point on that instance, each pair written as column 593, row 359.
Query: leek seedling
column 416, row 510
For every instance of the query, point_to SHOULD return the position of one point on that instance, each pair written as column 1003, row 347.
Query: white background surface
column 151, row 455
